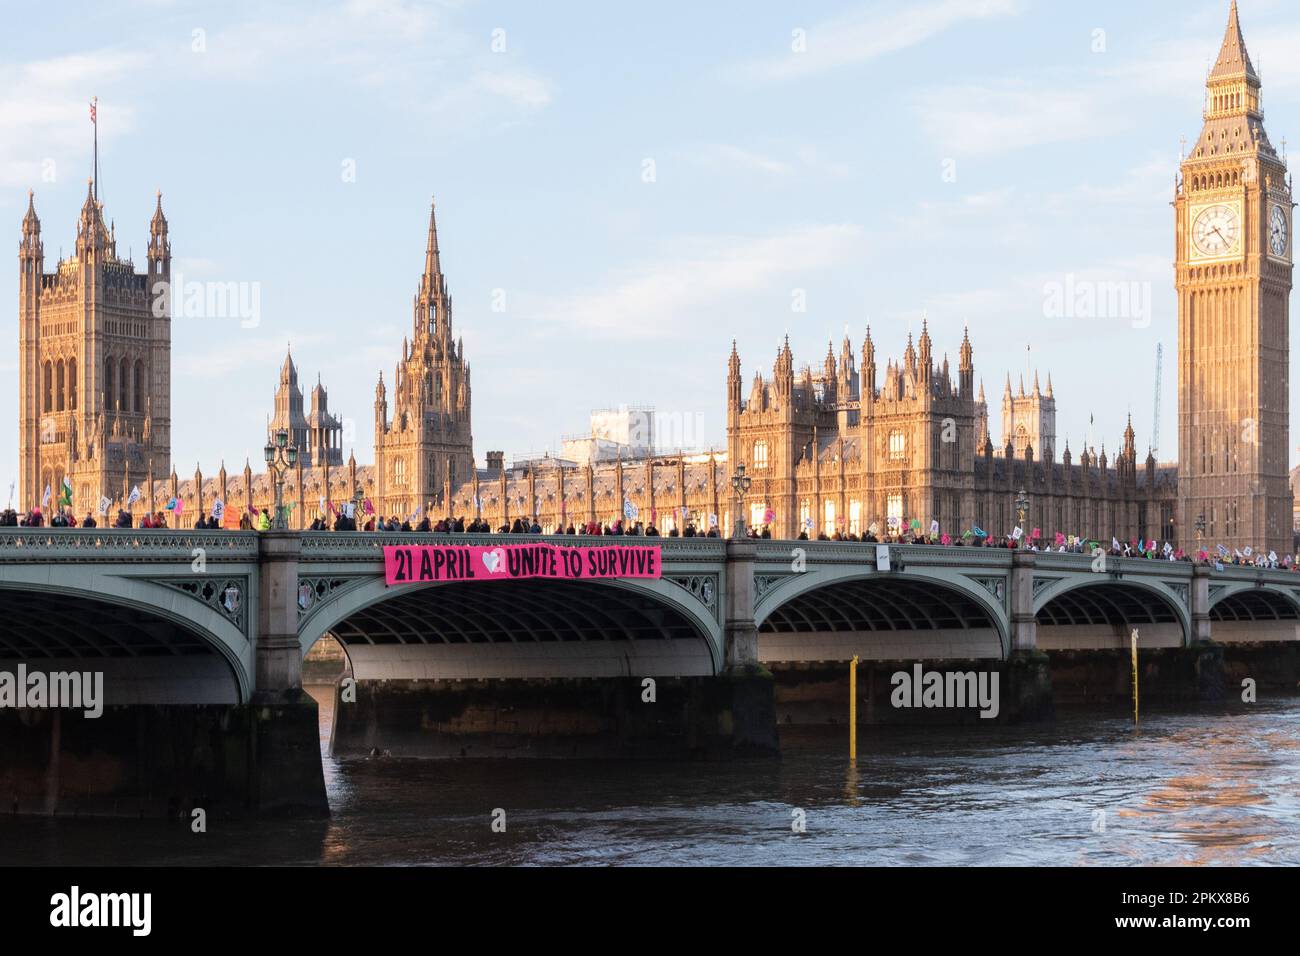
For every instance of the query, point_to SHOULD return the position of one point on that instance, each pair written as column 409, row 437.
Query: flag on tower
column 93, row 112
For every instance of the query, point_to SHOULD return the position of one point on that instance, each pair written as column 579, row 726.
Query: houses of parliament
column 856, row 441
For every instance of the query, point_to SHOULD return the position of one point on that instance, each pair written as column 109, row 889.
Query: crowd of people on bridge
column 897, row 534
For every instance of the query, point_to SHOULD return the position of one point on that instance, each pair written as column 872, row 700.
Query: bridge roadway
column 225, row 617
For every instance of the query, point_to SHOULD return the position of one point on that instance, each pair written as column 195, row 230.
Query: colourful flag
column 369, row 506
column 133, row 497
column 66, row 497
column 45, row 498
column 104, row 504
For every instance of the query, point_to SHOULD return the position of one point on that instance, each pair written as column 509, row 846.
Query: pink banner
column 427, row 563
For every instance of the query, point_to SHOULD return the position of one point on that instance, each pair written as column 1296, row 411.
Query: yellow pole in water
column 1135, row 677
column 853, row 709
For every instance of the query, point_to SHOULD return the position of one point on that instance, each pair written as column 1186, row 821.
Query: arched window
column 109, row 391
column 124, row 386
column 139, row 387
column 60, row 383
column 72, row 384
column 48, row 402
column 760, row 454
column 399, row 472
column 897, row 445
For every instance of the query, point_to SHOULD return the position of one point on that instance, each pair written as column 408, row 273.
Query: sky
column 623, row 189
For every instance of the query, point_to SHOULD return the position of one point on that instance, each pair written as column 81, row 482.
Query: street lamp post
column 740, row 483
column 1022, row 509
column 280, row 457
column 1200, row 531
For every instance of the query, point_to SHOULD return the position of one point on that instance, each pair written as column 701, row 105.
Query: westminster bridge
column 224, row 618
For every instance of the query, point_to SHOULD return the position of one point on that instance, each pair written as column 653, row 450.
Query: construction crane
column 1155, row 427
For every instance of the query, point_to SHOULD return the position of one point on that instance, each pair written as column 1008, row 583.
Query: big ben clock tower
column 1233, row 266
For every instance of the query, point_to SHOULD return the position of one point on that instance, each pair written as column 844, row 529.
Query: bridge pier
column 285, row 723
column 1029, row 670
column 279, row 653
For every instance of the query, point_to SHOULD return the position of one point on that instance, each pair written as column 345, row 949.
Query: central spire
column 432, row 264
column 1233, row 59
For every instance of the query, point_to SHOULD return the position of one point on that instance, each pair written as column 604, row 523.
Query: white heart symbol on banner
column 493, row 561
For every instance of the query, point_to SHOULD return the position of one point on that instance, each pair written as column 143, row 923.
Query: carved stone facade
column 848, row 447
column 94, row 340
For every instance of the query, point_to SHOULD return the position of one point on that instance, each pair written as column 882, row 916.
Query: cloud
column 868, row 33
column 707, row 278
column 45, row 112
column 803, row 158
column 722, row 156
column 975, row 120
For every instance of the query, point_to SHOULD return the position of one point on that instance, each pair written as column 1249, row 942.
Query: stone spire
column 31, row 223
column 1234, row 60
column 288, row 373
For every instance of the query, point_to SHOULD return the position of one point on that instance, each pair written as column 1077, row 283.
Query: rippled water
column 1211, row 787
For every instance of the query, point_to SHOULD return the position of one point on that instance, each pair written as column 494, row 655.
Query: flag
column 171, row 504
column 218, row 509
column 1248, row 551
column 915, row 524
column 45, row 498
column 934, row 527
column 808, row 523
column 369, row 506
column 93, row 113
column 713, row 521
column 769, row 516
column 1114, row 543
column 1060, row 539
column 874, row 529
column 133, row 497
column 946, row 540
column 1223, row 551
column 66, row 497
column 1017, row 534
column 104, row 504
column 180, row 505
column 980, row 532
column 1036, row 534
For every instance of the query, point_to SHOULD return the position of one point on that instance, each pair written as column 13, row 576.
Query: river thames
column 1210, row 787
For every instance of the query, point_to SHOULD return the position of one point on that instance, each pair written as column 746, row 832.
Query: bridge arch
column 834, row 613
column 1089, row 612
column 1248, row 613
column 154, row 644
column 601, row 628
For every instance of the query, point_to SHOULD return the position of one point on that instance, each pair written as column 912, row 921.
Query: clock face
column 1277, row 232
column 1215, row 231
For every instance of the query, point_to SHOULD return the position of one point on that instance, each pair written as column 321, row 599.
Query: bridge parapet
column 40, row 545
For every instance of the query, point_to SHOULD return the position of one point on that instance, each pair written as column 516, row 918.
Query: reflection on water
column 1212, row 787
